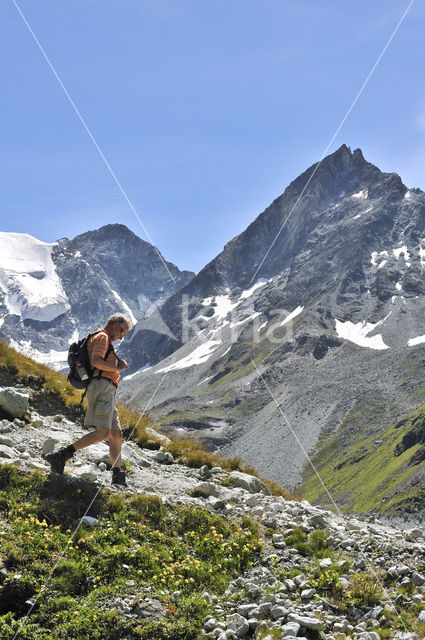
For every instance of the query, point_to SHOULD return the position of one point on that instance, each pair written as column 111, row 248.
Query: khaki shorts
column 101, row 411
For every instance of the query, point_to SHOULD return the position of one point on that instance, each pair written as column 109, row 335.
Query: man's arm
column 100, row 363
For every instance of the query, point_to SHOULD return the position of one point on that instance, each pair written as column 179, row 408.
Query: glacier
column 28, row 278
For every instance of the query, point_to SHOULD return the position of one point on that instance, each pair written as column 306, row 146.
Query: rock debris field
column 281, row 594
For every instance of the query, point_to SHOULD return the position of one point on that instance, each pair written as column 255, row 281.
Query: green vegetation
column 312, row 545
column 368, row 476
column 139, row 543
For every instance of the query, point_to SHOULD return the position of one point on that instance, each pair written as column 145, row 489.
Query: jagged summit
column 108, row 231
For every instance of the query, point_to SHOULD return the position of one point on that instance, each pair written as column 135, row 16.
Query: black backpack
column 80, row 370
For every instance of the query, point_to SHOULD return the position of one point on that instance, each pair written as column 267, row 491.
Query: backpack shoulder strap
column 109, row 350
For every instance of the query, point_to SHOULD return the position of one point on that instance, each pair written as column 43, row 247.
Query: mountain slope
column 337, row 307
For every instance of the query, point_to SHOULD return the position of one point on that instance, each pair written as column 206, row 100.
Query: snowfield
column 358, row 332
column 28, row 278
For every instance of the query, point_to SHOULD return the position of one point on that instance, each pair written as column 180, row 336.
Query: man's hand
column 122, row 364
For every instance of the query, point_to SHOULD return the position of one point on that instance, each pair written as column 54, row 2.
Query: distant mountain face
column 334, row 314
column 52, row 293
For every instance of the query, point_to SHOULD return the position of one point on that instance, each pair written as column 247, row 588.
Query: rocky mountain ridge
column 52, row 293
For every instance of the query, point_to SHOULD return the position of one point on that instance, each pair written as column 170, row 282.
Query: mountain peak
column 108, row 231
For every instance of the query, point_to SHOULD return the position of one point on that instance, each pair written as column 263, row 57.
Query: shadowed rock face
column 102, row 272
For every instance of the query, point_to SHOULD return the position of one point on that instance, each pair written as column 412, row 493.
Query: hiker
column 101, row 413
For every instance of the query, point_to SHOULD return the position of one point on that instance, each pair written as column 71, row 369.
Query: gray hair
column 120, row 318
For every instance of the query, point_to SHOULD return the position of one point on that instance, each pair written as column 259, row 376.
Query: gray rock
column 291, row 629
column 164, row 456
column 8, row 453
column 159, row 436
column 248, row 482
column 326, row 563
column 245, row 609
column 89, row 521
column 421, row 617
column 318, row 521
column 6, row 441
column 205, row 472
column 278, row 612
column 238, row 624
column 414, row 534
column 417, row 578
column 15, row 403
column 207, row 489
column 49, row 445
column 307, row 622
column 150, row 610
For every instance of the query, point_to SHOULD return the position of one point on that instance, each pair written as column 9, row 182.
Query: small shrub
column 70, row 578
column 149, row 508
column 363, row 590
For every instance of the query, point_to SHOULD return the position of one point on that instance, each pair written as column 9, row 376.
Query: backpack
column 80, row 370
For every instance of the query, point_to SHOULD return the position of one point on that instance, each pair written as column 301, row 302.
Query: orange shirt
column 98, row 346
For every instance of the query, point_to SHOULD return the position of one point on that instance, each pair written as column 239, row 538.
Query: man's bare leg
column 101, row 433
column 115, row 441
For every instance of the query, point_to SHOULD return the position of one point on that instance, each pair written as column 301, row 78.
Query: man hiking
column 101, row 413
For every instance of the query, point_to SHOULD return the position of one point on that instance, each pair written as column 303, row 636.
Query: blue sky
column 205, row 110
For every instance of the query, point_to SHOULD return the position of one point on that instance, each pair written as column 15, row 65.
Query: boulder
column 15, row 403
column 206, row 489
column 248, row 482
column 8, row 453
column 306, row 622
column 164, row 456
column 89, row 521
column 48, row 446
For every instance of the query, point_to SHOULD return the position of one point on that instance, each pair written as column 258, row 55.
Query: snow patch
column 398, row 286
column 376, row 255
column 292, row 315
column 198, row 356
column 248, row 292
column 359, row 215
column 54, row 359
column 360, row 194
column 422, row 253
column 125, row 306
column 357, row 333
column 402, row 250
column 417, row 340
column 28, row 278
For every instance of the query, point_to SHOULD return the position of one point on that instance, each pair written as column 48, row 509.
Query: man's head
column 117, row 326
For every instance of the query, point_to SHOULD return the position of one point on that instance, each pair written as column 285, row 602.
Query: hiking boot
column 118, row 477
column 57, row 459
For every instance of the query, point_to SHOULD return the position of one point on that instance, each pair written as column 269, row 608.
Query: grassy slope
column 359, row 467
